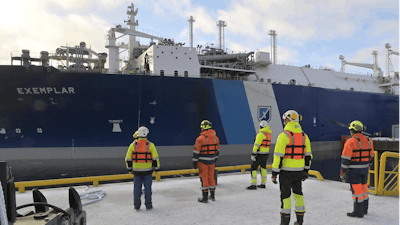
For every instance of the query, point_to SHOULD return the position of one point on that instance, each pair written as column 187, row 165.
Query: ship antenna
column 191, row 20
column 140, row 96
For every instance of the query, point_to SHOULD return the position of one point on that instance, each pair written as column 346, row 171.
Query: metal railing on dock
column 96, row 179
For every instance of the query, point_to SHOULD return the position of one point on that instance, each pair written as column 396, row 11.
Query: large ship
column 78, row 118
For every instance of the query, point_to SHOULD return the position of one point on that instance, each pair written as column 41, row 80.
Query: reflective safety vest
column 210, row 148
column 267, row 141
column 141, row 152
column 362, row 155
column 296, row 148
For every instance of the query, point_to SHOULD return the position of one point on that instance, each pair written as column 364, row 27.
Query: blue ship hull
column 91, row 115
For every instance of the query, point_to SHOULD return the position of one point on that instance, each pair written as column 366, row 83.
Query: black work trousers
column 288, row 181
column 261, row 160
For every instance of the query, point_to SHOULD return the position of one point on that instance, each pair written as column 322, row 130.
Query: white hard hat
column 263, row 124
column 142, row 132
column 292, row 116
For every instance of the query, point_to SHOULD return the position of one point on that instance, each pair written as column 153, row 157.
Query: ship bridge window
column 39, row 130
column 18, row 130
column 175, row 73
column 162, row 73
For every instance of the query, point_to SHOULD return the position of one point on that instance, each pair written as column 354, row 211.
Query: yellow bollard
column 21, row 189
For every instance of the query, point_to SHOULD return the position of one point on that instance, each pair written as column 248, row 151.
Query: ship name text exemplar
column 45, row 90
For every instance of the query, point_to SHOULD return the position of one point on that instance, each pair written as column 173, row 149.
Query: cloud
column 379, row 28
column 36, row 29
column 47, row 24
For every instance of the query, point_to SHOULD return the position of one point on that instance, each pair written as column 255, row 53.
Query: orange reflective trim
column 357, row 188
column 141, row 151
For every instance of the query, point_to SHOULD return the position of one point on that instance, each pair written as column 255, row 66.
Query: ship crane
column 390, row 72
column 374, row 66
column 133, row 44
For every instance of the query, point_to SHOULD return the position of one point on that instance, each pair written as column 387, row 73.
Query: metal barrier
column 96, row 179
column 375, row 173
column 392, row 187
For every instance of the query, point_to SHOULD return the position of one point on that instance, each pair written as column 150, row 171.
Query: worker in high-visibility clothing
column 259, row 155
column 205, row 155
column 292, row 160
column 141, row 159
column 357, row 156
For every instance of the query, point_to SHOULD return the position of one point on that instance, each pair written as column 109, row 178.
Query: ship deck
column 175, row 202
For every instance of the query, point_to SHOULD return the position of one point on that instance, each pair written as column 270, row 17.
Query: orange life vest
column 362, row 155
column 296, row 147
column 141, row 152
column 211, row 146
column 267, row 141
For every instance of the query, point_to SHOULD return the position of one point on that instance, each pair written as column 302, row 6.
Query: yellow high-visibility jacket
column 142, row 167
column 258, row 147
column 286, row 163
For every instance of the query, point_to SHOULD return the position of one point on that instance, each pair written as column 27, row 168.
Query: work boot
column 212, row 194
column 365, row 207
column 285, row 219
column 300, row 218
column 252, row 187
column 358, row 210
column 149, row 207
column 204, row 199
column 261, row 186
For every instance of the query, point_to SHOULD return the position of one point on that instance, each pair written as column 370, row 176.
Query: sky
column 308, row 32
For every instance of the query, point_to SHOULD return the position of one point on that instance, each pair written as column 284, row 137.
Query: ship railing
column 321, row 68
column 22, row 185
column 275, row 81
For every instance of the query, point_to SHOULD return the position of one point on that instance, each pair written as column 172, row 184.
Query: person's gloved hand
column 343, row 176
column 253, row 157
column 195, row 165
column 273, row 178
column 130, row 171
column 305, row 175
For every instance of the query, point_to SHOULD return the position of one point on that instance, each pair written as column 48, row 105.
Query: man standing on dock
column 292, row 160
column 356, row 157
column 141, row 159
column 205, row 154
column 259, row 155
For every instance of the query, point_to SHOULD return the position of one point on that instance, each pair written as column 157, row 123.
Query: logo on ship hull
column 264, row 113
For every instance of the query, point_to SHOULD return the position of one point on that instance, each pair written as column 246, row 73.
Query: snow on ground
column 175, row 202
